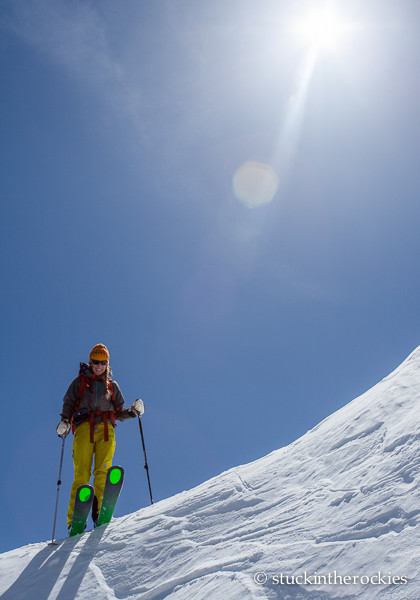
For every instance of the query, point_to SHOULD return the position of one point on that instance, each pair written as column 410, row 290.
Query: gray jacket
column 94, row 397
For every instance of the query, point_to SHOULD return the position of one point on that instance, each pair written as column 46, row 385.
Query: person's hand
column 138, row 407
column 63, row 428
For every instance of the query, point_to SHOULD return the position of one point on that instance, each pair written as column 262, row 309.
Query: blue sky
column 241, row 326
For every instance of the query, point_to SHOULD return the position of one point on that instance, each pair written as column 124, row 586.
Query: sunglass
column 99, row 362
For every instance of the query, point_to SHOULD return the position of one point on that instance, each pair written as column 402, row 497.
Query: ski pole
column 146, row 466
column 53, row 543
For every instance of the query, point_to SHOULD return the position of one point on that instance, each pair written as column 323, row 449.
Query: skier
column 90, row 407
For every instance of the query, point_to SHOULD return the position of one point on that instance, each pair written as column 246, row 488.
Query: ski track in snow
column 343, row 498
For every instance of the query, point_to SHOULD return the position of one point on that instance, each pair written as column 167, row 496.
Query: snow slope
column 334, row 515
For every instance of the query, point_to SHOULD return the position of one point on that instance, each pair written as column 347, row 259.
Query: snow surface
column 341, row 501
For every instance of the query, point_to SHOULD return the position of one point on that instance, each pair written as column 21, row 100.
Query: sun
column 321, row 29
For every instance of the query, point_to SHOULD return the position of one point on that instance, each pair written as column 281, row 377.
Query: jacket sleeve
column 123, row 414
column 70, row 399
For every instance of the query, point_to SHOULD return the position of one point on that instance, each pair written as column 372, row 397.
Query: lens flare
column 255, row 184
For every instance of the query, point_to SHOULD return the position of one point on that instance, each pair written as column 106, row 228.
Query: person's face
column 99, row 367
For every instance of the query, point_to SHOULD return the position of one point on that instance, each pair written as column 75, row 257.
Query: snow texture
column 335, row 515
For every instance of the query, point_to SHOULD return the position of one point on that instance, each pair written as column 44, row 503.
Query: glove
column 63, row 428
column 138, row 407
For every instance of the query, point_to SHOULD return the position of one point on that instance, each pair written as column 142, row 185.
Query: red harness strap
column 105, row 420
column 92, row 425
column 107, row 414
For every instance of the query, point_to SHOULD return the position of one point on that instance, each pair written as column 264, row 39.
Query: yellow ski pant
column 83, row 454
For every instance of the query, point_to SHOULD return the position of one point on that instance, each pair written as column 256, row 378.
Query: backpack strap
column 111, row 389
column 111, row 413
column 83, row 387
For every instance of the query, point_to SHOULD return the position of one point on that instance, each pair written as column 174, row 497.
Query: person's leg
column 104, row 451
column 82, row 461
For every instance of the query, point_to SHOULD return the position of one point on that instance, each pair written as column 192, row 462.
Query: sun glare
column 321, row 29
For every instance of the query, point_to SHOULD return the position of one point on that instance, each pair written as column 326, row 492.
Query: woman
column 91, row 406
